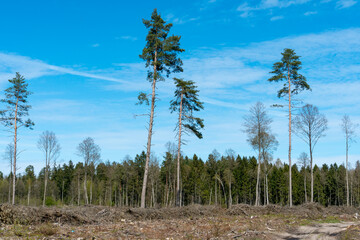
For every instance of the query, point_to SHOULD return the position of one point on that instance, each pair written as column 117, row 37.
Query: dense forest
column 213, row 181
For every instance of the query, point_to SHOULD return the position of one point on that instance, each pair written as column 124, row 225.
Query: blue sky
column 81, row 60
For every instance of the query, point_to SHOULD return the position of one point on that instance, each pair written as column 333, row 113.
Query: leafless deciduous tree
column 310, row 126
column 90, row 152
column 304, row 162
column 9, row 156
column 50, row 146
column 269, row 144
column 257, row 125
column 348, row 128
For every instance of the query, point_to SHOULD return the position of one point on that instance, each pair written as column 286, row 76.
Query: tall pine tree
column 17, row 108
column 186, row 102
column 160, row 54
column 288, row 70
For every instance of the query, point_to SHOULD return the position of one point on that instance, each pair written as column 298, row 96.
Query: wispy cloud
column 345, row 3
column 275, row 18
column 33, row 68
column 247, row 9
column 95, row 45
column 130, row 38
column 310, row 13
column 180, row 20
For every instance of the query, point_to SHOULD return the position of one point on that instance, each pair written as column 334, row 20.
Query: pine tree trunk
column 148, row 149
column 290, row 179
column 178, row 156
column 15, row 152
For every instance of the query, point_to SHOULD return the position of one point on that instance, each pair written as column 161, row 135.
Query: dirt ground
column 309, row 221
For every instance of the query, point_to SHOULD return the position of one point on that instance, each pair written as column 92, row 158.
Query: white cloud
column 95, row 45
column 177, row 20
column 275, row 18
column 345, row 3
column 310, row 13
column 246, row 9
column 130, row 38
column 33, row 68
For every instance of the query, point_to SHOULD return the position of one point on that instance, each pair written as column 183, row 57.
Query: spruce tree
column 12, row 117
column 288, row 70
column 186, row 102
column 160, row 54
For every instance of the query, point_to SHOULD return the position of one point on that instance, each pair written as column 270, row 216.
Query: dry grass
column 47, row 229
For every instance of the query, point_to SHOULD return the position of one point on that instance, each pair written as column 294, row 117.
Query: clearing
column 308, row 221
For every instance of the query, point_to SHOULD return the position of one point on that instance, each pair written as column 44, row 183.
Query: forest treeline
column 221, row 180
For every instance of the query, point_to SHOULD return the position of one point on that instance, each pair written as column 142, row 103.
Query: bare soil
column 308, row 221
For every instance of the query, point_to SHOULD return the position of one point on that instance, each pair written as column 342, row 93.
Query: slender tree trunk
column 153, row 193
column 78, row 200
column 305, row 187
column 15, row 152
column 264, row 191
column 110, row 189
column 46, row 175
column 257, row 200
column 290, row 179
column 10, row 183
column 126, row 194
column 29, row 193
column 215, row 193
column 62, row 192
column 230, row 196
column 267, row 190
column 178, row 155
column 148, row 149
column 347, row 173
column 45, row 186
column 210, row 196
column 85, row 187
column 91, row 189
column 311, row 169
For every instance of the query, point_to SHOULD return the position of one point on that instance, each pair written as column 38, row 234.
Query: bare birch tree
column 50, row 146
column 304, row 162
column 256, row 124
column 90, row 152
column 310, row 126
column 348, row 128
column 9, row 156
